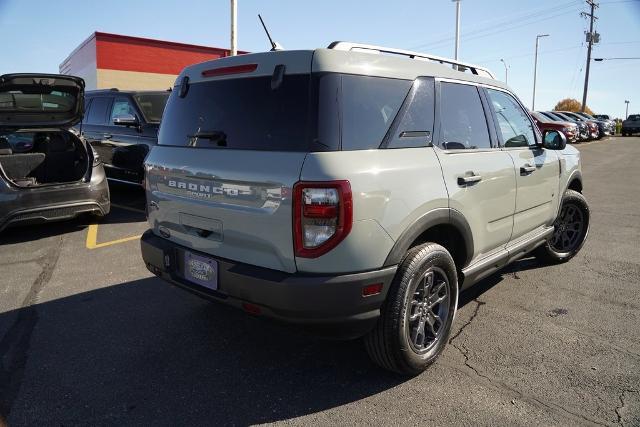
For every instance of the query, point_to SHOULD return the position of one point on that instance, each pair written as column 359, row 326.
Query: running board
column 492, row 263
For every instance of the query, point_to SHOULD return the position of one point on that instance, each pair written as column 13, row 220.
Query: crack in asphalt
column 622, row 405
column 14, row 346
column 503, row 386
column 471, row 319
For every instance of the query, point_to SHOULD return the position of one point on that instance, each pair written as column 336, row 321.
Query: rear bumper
column 53, row 203
column 331, row 305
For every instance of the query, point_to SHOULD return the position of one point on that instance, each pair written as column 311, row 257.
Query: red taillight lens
column 322, row 216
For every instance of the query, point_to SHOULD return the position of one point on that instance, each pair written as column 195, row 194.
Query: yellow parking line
column 92, row 238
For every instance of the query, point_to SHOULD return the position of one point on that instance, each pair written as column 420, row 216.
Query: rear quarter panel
column 391, row 188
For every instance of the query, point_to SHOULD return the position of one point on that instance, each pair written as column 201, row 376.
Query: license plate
column 201, row 270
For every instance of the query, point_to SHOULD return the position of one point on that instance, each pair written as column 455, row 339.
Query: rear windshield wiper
column 214, row 136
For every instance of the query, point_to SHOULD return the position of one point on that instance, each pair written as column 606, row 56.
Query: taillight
column 96, row 158
column 322, row 216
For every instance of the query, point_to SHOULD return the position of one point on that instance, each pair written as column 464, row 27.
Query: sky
column 38, row 35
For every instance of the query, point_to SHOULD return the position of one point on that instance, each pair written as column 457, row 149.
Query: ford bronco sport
column 354, row 188
column 47, row 172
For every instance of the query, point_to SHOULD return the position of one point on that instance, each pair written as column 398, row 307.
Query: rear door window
column 98, row 111
column 463, row 124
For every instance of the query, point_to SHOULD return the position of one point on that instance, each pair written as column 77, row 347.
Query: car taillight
column 96, row 157
column 322, row 216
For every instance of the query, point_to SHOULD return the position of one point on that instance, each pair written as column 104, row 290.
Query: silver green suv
column 354, row 189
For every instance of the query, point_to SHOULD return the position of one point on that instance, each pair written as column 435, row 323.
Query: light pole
column 234, row 25
column 457, row 2
column 535, row 71
column 506, row 72
column 626, row 113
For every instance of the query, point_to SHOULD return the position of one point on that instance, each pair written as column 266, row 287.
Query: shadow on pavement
column 144, row 352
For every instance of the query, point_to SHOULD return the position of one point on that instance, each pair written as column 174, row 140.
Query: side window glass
column 514, row 125
column 98, row 111
column 369, row 105
column 121, row 107
column 463, row 124
column 415, row 128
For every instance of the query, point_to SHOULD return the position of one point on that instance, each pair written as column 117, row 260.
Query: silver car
column 354, row 189
column 47, row 172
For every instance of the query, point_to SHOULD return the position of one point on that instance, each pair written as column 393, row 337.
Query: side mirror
column 125, row 120
column 554, row 140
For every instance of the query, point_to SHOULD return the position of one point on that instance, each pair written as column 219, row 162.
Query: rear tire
column 570, row 230
column 416, row 318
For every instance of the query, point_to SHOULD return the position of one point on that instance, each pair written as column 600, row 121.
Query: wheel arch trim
column 435, row 217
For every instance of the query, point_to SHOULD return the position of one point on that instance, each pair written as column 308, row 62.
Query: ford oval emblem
column 164, row 232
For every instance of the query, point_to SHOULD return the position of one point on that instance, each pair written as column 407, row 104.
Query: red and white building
column 107, row 61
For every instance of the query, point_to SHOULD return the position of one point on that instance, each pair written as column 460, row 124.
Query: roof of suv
column 360, row 61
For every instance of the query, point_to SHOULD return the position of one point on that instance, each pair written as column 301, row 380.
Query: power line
column 511, row 22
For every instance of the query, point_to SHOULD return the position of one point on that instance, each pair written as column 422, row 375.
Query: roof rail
column 457, row 65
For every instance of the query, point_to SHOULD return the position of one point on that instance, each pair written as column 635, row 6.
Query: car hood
column 40, row 101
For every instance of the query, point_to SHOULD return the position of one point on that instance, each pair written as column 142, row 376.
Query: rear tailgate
column 235, row 204
column 232, row 141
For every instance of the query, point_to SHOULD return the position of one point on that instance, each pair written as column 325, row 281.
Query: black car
column 122, row 126
column 631, row 125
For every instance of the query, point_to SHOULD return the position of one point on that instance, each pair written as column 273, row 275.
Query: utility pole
column 234, row 26
column 457, row 2
column 535, row 71
column 591, row 39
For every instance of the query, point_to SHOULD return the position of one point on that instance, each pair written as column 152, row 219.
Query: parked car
column 348, row 196
column 594, row 131
column 122, row 126
column 570, row 130
column 612, row 123
column 604, row 126
column 631, row 125
column 47, row 172
column 584, row 133
column 602, row 117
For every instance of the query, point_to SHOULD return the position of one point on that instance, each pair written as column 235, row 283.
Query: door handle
column 469, row 179
column 527, row 169
column 107, row 136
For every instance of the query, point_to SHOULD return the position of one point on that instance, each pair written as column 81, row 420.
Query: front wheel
column 569, row 230
column 417, row 315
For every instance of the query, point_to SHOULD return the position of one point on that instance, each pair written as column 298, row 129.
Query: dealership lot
column 88, row 336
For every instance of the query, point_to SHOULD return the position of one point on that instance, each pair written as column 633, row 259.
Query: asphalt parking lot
column 88, row 336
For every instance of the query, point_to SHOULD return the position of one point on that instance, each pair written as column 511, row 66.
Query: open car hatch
column 40, row 101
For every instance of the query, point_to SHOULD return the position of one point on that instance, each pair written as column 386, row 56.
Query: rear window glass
column 55, row 101
column 241, row 113
column 321, row 113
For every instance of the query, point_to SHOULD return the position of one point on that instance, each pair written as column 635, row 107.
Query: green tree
column 570, row 104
